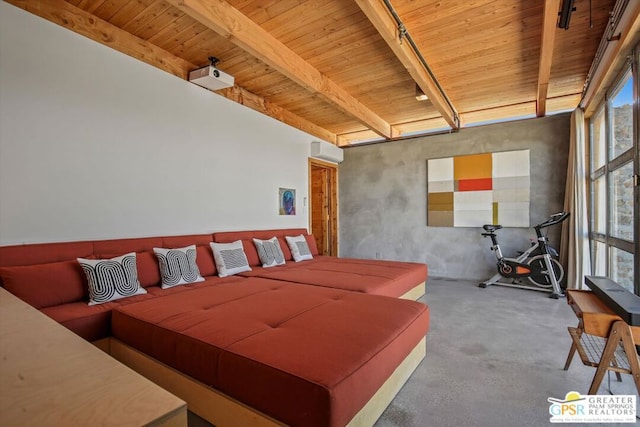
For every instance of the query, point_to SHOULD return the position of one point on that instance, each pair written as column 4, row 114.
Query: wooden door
column 323, row 183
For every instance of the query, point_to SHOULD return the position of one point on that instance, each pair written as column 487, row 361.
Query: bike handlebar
column 554, row 219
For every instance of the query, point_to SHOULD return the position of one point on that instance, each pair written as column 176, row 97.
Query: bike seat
column 491, row 227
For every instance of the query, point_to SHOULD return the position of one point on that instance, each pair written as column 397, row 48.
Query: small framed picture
column 287, row 201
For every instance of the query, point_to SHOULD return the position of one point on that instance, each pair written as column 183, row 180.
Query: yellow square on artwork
column 472, row 167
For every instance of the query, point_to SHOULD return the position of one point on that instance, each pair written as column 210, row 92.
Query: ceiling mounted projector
column 210, row 77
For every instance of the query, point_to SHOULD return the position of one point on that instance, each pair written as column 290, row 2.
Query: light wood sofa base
column 224, row 411
column 415, row 293
column 370, row 412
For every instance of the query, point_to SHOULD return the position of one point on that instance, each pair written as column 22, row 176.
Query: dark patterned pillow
column 178, row 266
column 111, row 279
column 270, row 252
column 230, row 258
column 299, row 248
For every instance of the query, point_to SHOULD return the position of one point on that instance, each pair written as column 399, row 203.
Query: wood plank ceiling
column 339, row 69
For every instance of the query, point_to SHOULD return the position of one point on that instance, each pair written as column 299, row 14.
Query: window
column 614, row 162
column 598, row 140
column 621, row 270
column 600, row 205
column 621, row 206
column 621, row 112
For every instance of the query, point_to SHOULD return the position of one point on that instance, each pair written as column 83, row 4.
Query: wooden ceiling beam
column 386, row 25
column 347, row 139
column 224, row 19
column 77, row 20
column 257, row 103
column 549, row 23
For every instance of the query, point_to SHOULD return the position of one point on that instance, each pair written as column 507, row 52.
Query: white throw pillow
column 178, row 266
column 230, row 258
column 270, row 252
column 111, row 279
column 299, row 248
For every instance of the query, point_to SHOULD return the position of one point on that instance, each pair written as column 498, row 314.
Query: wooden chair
column 603, row 339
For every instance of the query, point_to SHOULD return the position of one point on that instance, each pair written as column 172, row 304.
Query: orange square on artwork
column 472, row 167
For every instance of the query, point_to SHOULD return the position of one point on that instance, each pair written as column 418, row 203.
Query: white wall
column 95, row 144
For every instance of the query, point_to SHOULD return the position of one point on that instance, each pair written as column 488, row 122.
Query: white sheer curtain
column 574, row 246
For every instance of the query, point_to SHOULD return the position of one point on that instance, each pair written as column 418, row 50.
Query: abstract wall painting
column 287, row 201
column 478, row 189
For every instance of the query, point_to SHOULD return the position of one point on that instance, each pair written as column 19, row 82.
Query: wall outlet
column 377, row 255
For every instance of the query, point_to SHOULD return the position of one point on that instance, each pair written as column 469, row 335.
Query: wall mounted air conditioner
column 325, row 151
column 211, row 78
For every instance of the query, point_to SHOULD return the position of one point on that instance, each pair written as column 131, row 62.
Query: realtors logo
column 576, row 408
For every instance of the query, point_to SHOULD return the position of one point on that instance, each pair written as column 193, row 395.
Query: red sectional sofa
column 48, row 277
column 288, row 342
column 389, row 278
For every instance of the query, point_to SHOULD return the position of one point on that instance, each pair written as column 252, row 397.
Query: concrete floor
column 494, row 356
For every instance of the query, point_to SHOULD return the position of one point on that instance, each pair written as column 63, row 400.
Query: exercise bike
column 538, row 264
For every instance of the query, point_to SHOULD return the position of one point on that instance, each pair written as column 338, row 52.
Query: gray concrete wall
column 383, row 190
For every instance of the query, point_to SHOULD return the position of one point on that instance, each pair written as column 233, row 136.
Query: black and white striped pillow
column 178, row 266
column 230, row 258
column 270, row 252
column 111, row 279
column 299, row 248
